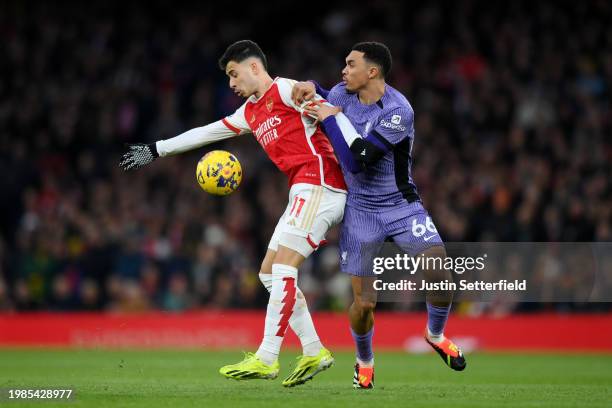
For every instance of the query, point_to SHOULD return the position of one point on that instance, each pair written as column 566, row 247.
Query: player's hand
column 321, row 110
column 138, row 155
column 303, row 91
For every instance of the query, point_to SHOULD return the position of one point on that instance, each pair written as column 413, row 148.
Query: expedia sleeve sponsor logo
column 394, row 124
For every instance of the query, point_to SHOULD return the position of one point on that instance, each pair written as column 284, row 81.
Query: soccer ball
column 219, row 172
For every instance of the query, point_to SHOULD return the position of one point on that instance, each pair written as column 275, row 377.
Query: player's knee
column 436, row 273
column 365, row 306
column 266, row 264
column 288, row 256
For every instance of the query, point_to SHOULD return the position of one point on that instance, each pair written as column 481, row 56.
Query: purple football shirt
column 390, row 124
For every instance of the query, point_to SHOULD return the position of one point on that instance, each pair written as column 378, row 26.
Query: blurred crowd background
column 513, row 139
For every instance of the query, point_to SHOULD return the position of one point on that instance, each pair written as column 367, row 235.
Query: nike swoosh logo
column 429, row 237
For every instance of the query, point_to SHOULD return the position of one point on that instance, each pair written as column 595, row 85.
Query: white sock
column 365, row 363
column 266, row 356
column 435, row 338
column 301, row 321
column 280, row 309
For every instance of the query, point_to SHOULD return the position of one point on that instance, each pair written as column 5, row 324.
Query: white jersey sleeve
column 347, row 129
column 231, row 126
column 237, row 122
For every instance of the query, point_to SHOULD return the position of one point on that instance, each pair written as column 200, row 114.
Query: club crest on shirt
column 252, row 119
column 367, row 127
column 269, row 104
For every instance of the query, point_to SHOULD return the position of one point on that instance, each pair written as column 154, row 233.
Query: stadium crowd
column 512, row 113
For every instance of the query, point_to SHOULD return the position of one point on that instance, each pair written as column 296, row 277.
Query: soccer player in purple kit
column 383, row 202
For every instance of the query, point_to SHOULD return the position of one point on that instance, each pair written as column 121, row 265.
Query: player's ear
column 373, row 72
column 254, row 67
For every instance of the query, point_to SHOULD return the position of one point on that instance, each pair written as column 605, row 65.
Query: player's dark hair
column 241, row 50
column 376, row 52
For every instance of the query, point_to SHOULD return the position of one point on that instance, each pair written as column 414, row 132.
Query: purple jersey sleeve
column 334, row 134
column 395, row 125
column 319, row 89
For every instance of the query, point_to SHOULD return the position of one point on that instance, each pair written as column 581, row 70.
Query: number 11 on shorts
column 298, row 203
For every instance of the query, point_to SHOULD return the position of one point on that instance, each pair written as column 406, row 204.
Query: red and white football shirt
column 294, row 142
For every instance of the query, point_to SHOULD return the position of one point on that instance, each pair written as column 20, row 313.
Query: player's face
column 355, row 73
column 241, row 78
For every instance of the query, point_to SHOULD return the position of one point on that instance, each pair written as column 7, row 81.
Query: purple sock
column 436, row 318
column 363, row 344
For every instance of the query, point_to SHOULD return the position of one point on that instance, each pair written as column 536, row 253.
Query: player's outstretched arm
column 139, row 155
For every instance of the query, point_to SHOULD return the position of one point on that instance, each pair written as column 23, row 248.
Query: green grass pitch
column 190, row 378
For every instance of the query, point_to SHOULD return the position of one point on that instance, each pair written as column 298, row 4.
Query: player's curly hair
column 241, row 50
column 376, row 52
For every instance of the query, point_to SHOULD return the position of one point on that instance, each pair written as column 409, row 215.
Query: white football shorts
column 312, row 210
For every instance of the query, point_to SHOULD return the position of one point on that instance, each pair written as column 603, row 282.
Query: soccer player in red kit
column 298, row 147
